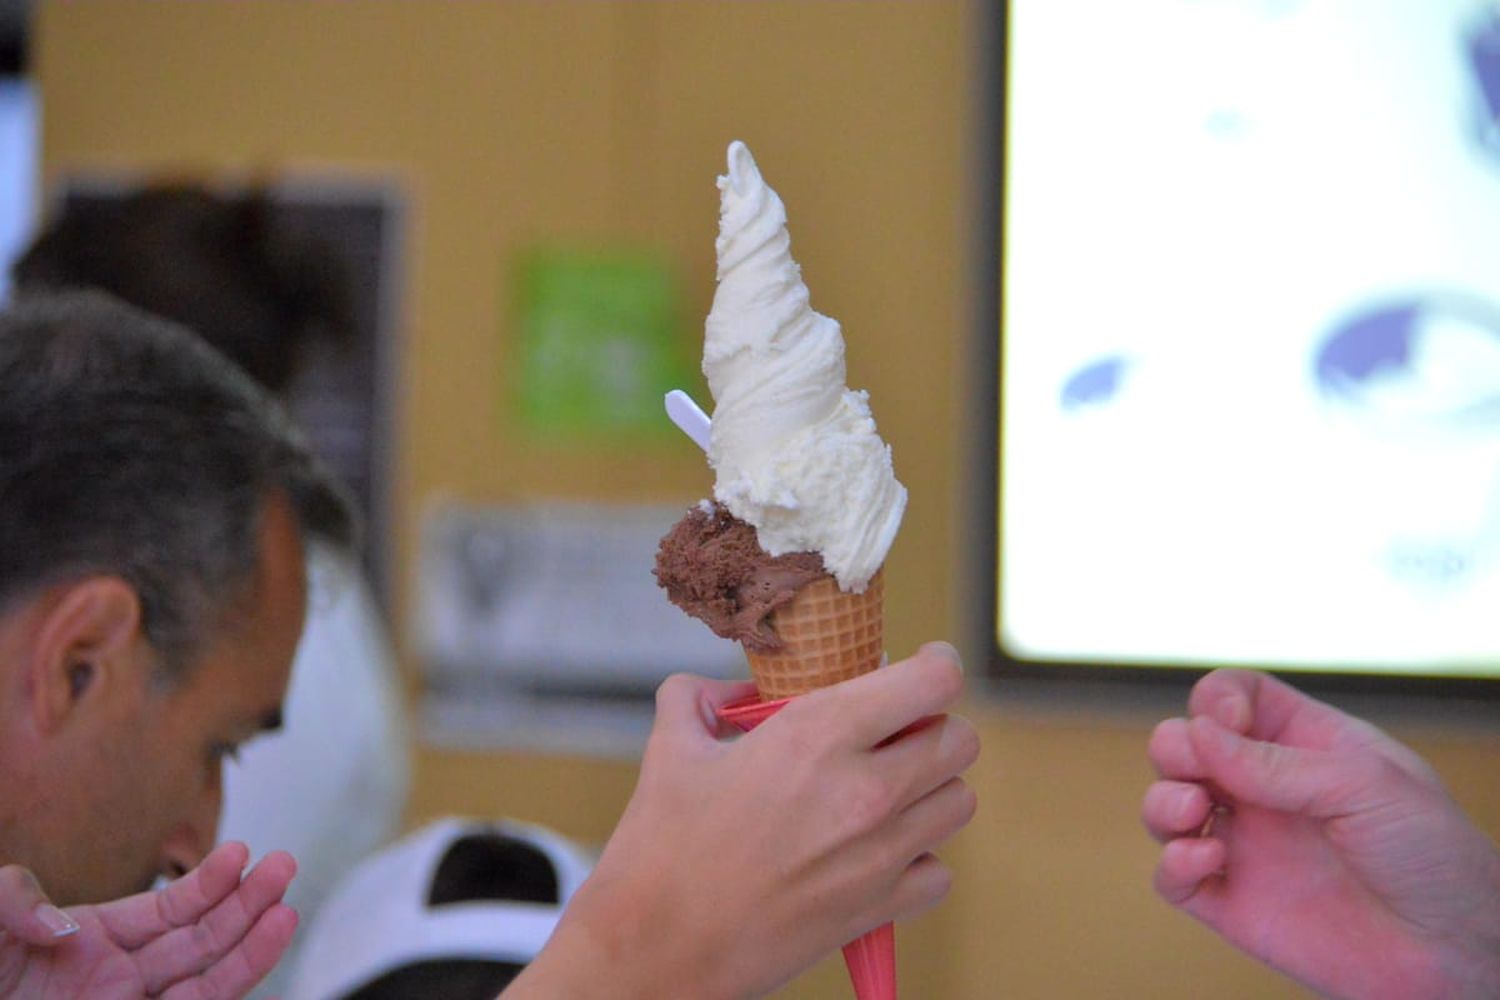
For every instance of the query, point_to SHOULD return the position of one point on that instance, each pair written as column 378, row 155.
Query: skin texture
column 739, row 863
column 1335, row 855
column 208, row 935
column 111, row 776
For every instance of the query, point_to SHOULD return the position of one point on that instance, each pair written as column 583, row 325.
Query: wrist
column 616, row 941
column 1471, row 963
column 1470, row 973
column 567, row 968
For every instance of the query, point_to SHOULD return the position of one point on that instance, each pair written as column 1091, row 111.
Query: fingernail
column 708, row 715
column 55, row 920
column 945, row 649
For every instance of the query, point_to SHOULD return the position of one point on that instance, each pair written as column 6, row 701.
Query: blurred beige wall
column 595, row 122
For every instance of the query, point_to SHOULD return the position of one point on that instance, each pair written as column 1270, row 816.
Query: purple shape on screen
column 1484, row 58
column 1370, row 344
column 1095, row 383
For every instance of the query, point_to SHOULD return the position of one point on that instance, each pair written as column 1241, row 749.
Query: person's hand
column 1321, row 846
column 206, row 936
column 738, row 864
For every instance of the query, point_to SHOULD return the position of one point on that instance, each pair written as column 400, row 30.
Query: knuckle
column 967, row 805
column 168, row 909
column 942, row 878
column 17, row 880
column 673, row 688
column 217, row 940
column 1188, row 806
column 1164, row 885
column 1153, row 806
column 967, row 743
column 947, row 682
column 1166, row 739
column 1208, row 680
column 936, row 882
column 1381, row 772
column 1169, row 730
column 1220, row 679
column 952, row 810
column 1148, row 816
column 202, row 938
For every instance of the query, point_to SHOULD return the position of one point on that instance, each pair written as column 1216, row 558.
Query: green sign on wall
column 600, row 343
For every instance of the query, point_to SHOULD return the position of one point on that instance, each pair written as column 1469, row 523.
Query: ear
column 90, row 643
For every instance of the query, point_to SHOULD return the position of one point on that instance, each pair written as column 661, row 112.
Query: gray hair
column 130, row 447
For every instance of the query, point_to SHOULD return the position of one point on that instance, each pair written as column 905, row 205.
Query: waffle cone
column 828, row 635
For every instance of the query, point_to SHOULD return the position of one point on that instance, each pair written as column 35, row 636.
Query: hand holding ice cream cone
column 738, row 865
column 787, row 558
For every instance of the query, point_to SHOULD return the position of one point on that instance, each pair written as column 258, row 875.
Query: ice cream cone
column 828, row 635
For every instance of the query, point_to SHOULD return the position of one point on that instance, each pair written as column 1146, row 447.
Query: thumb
column 1314, row 783
column 686, row 706
column 25, row 911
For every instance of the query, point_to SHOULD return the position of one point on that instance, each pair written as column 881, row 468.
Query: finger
column 1185, row 866
column 187, row 951
column 1171, row 752
column 1228, row 696
column 930, row 822
column 146, row 916
column 927, row 757
column 686, row 706
column 27, row 913
column 923, row 885
column 247, row 964
column 1171, row 809
column 1313, row 783
column 871, row 708
column 1264, row 708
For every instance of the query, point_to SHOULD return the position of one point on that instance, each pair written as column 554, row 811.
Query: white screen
column 1251, row 334
column 18, row 167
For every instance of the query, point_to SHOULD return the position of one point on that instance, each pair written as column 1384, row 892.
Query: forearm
column 609, row 944
column 564, row 970
column 1471, row 964
column 573, row 966
column 1472, row 972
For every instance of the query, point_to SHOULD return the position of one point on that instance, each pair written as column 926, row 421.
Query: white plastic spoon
column 689, row 417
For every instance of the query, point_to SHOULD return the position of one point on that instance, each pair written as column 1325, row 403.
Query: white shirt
column 330, row 786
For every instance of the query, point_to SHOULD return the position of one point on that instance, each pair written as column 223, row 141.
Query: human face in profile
column 113, row 773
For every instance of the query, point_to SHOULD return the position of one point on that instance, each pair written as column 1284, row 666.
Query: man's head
column 153, row 507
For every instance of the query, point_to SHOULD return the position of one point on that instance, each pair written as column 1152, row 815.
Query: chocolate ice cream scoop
column 712, row 566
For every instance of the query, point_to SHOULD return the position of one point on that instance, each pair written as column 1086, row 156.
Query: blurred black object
column 15, row 19
column 484, row 867
column 219, row 265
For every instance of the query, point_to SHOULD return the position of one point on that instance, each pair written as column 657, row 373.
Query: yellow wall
column 599, row 122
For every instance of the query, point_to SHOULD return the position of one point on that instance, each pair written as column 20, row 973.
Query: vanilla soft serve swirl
column 795, row 451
